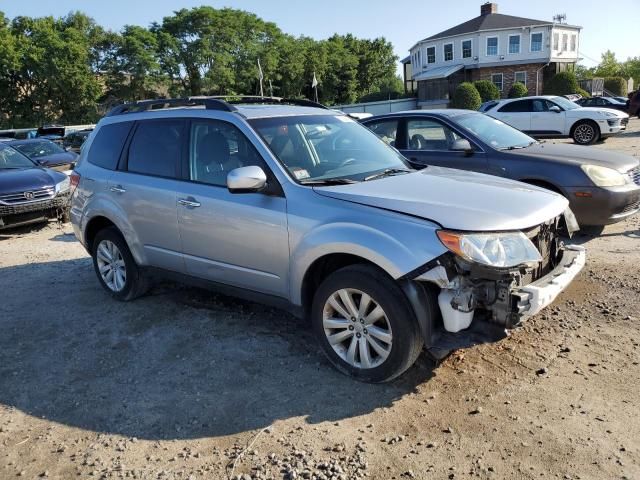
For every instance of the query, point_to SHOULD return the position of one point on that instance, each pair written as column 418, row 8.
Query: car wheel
column 585, row 132
column 592, row 230
column 117, row 271
column 364, row 324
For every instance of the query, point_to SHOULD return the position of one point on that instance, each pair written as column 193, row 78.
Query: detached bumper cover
column 535, row 296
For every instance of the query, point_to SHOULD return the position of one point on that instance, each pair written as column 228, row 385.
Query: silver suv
column 290, row 203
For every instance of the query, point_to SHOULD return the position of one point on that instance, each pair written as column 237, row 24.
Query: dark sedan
column 46, row 153
column 606, row 102
column 28, row 192
column 603, row 187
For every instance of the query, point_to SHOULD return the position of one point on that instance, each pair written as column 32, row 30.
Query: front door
column 238, row 239
column 428, row 141
column 545, row 121
column 517, row 114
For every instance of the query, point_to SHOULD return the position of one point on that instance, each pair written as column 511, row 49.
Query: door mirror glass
column 461, row 145
column 246, row 180
column 555, row 109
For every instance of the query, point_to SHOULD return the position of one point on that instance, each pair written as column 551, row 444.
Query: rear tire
column 364, row 324
column 592, row 230
column 585, row 132
column 115, row 267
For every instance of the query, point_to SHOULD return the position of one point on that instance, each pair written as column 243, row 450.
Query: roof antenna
column 560, row 18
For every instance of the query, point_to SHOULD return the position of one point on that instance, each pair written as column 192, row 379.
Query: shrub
column 562, row 83
column 518, row 90
column 467, row 96
column 616, row 85
column 583, row 92
column 487, row 90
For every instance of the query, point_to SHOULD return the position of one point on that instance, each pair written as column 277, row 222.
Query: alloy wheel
column 111, row 265
column 357, row 328
column 584, row 133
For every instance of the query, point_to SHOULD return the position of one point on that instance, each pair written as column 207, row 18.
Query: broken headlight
column 507, row 249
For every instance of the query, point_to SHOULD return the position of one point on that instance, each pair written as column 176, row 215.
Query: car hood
column 57, row 159
column 456, row 199
column 25, row 179
column 576, row 112
column 579, row 155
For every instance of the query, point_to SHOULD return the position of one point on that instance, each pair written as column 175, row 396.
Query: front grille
column 635, row 175
column 624, row 122
column 28, row 196
column 48, row 204
column 631, row 207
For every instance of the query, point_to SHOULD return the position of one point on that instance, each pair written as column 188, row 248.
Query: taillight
column 74, row 179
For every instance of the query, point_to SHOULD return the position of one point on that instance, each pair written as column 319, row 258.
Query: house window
column 466, row 49
column 521, row 77
column 565, row 39
column 431, row 54
column 448, row 52
column 419, row 59
column 496, row 78
column 573, row 43
column 536, row 42
column 514, row 43
column 556, row 41
column 492, row 46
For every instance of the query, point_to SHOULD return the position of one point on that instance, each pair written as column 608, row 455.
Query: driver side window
column 386, row 130
column 425, row 134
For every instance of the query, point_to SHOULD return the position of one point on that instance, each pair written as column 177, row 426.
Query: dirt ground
column 186, row 384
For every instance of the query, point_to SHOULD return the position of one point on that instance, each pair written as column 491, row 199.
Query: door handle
column 188, row 203
column 117, row 189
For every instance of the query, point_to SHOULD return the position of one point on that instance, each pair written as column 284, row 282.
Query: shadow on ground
column 179, row 363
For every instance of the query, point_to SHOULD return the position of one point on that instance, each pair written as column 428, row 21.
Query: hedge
column 616, row 85
column 467, row 96
column 487, row 90
column 562, row 83
column 518, row 90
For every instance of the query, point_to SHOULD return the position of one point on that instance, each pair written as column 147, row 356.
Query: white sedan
column 549, row 116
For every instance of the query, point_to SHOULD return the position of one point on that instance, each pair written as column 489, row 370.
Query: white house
column 501, row 48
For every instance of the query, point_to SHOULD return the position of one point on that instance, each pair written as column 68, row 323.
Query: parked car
column 28, row 192
column 605, row 102
column 574, row 97
column 634, row 104
column 55, row 133
column 73, row 141
column 556, row 117
column 301, row 206
column 46, row 153
column 602, row 187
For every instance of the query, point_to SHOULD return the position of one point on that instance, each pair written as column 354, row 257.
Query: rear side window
column 155, row 148
column 107, row 146
column 519, row 106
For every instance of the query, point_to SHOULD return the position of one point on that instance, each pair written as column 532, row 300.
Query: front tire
column 364, row 324
column 115, row 267
column 585, row 132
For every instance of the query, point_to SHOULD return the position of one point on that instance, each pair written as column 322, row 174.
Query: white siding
column 567, row 55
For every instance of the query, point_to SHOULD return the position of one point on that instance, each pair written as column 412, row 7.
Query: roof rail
column 302, row 102
column 210, row 103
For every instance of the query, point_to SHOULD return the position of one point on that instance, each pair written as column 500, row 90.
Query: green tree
column 609, row 66
column 518, row 90
column 467, row 96
column 562, row 83
column 487, row 90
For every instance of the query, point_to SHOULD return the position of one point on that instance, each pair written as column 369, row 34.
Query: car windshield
column 565, row 103
column 10, row 158
column 321, row 148
column 494, row 132
column 39, row 149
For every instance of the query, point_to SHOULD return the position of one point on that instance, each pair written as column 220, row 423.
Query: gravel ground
column 186, row 384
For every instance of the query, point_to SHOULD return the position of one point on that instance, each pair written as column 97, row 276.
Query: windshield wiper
column 517, row 147
column 328, row 181
column 386, row 172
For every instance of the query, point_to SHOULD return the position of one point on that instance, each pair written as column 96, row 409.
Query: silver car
column 300, row 206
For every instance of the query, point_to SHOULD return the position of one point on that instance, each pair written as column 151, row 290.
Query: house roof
column 491, row 21
column 438, row 72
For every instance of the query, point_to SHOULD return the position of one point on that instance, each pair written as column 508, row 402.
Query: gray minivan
column 293, row 204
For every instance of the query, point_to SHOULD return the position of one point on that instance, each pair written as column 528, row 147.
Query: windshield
column 10, row 158
column 325, row 147
column 564, row 103
column 494, row 132
column 39, row 149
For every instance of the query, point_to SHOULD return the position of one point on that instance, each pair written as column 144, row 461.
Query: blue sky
column 404, row 22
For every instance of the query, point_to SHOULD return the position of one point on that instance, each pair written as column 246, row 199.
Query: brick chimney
column 488, row 8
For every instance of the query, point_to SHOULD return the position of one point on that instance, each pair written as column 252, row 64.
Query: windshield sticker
column 300, row 173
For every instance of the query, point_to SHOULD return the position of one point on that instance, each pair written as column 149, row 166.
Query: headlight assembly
column 604, row 176
column 63, row 186
column 507, row 249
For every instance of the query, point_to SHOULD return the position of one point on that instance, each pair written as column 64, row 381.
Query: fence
column 377, row 108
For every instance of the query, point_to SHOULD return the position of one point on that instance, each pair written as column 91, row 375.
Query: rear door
column 145, row 190
column 428, row 141
column 238, row 239
column 517, row 114
column 544, row 121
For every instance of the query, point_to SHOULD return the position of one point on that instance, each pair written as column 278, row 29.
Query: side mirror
column 461, row 145
column 246, row 180
column 555, row 109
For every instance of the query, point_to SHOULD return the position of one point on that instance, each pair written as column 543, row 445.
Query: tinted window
column 155, row 148
column 386, row 130
column 519, row 106
column 107, row 146
column 216, row 148
column 427, row 134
